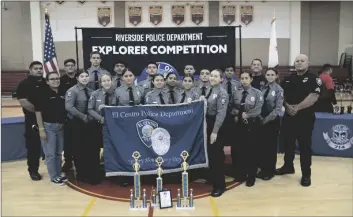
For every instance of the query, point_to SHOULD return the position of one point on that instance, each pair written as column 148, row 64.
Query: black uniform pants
column 227, row 130
column 215, row 157
column 86, row 149
column 246, row 149
column 268, row 146
column 299, row 127
column 33, row 144
column 68, row 141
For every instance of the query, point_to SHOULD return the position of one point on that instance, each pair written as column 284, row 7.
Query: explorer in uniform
column 159, row 95
column 95, row 71
column 129, row 94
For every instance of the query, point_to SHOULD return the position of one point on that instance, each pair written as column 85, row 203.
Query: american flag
column 50, row 61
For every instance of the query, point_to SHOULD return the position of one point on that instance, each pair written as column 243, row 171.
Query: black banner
column 171, row 48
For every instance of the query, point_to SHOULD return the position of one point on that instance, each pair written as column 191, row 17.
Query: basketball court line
column 89, row 206
column 214, row 207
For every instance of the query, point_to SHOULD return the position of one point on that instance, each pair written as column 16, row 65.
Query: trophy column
column 185, row 202
column 159, row 183
column 135, row 202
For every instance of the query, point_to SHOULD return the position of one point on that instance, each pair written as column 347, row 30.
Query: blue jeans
column 53, row 148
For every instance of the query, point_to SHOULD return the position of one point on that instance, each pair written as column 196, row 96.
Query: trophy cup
column 184, row 202
column 135, row 202
column 159, row 183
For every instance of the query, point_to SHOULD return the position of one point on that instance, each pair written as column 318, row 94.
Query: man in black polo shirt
column 259, row 79
column 67, row 81
column 301, row 90
column 26, row 95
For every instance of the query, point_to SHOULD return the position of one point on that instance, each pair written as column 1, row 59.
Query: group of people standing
column 68, row 113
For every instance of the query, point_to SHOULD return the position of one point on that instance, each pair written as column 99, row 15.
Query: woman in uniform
column 99, row 98
column 217, row 102
column 271, row 109
column 159, row 94
column 189, row 93
column 76, row 104
column 247, row 102
column 129, row 94
column 174, row 92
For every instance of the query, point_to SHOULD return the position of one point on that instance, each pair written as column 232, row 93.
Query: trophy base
column 138, row 209
column 154, row 205
column 185, row 208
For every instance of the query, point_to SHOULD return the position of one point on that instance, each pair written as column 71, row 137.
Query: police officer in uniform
column 95, row 71
column 259, row 79
column 247, row 102
column 203, row 85
column 159, row 94
column 171, row 86
column 26, row 94
column 217, row 103
column 76, row 104
column 67, row 81
column 147, row 84
column 129, row 94
column 301, row 91
column 119, row 67
column 189, row 93
column 270, row 112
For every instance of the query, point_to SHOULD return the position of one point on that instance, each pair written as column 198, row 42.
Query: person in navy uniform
column 27, row 94
column 119, row 67
column 171, row 86
column 259, row 79
column 301, row 91
column 76, row 104
column 51, row 116
column 95, row 71
column 247, row 102
column 217, row 103
column 270, row 117
column 67, row 81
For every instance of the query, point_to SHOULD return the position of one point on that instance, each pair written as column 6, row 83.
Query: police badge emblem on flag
column 160, row 139
column 144, row 130
column 156, row 15
column 104, row 16
column 135, row 15
column 228, row 12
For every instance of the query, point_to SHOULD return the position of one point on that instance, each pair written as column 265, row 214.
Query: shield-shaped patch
column 178, row 14
column 228, row 12
column 104, row 15
column 246, row 14
column 144, row 130
column 197, row 14
column 135, row 15
column 156, row 14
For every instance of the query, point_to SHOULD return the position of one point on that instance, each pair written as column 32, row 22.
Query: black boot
column 285, row 170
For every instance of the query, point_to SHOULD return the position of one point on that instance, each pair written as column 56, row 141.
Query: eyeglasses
column 54, row 79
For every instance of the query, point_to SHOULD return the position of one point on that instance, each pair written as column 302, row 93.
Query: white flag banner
column 273, row 52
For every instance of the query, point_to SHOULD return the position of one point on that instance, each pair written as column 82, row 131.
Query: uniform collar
column 109, row 91
column 93, row 68
column 35, row 78
column 80, row 86
column 270, row 85
column 127, row 87
column 216, row 87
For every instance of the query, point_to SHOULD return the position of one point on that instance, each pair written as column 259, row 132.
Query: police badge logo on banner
column 197, row 14
column 246, row 14
column 104, row 16
column 144, row 130
column 135, row 15
column 341, row 137
column 178, row 14
column 229, row 12
column 156, row 14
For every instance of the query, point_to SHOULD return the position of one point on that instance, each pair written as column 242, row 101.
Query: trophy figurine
column 154, row 198
column 135, row 201
column 185, row 202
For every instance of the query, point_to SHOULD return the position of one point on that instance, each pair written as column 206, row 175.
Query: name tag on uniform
column 273, row 93
column 98, row 100
column 214, row 96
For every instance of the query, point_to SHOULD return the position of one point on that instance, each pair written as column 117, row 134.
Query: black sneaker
column 285, row 170
column 306, row 181
column 35, row 176
column 63, row 178
column 57, row 181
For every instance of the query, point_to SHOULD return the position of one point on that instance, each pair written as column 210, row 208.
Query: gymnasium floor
column 330, row 194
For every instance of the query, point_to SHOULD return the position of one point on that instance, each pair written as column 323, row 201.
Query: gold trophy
column 135, row 202
column 159, row 183
column 185, row 202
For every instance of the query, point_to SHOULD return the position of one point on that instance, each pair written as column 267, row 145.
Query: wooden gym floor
column 331, row 193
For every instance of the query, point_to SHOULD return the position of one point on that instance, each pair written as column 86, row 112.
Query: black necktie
column 209, row 93
column 264, row 106
column 118, row 82
column 87, row 97
column 183, row 99
column 242, row 104
column 172, row 96
column 229, row 90
column 96, row 82
column 203, row 93
column 131, row 97
column 161, row 98
column 106, row 100
column 152, row 85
